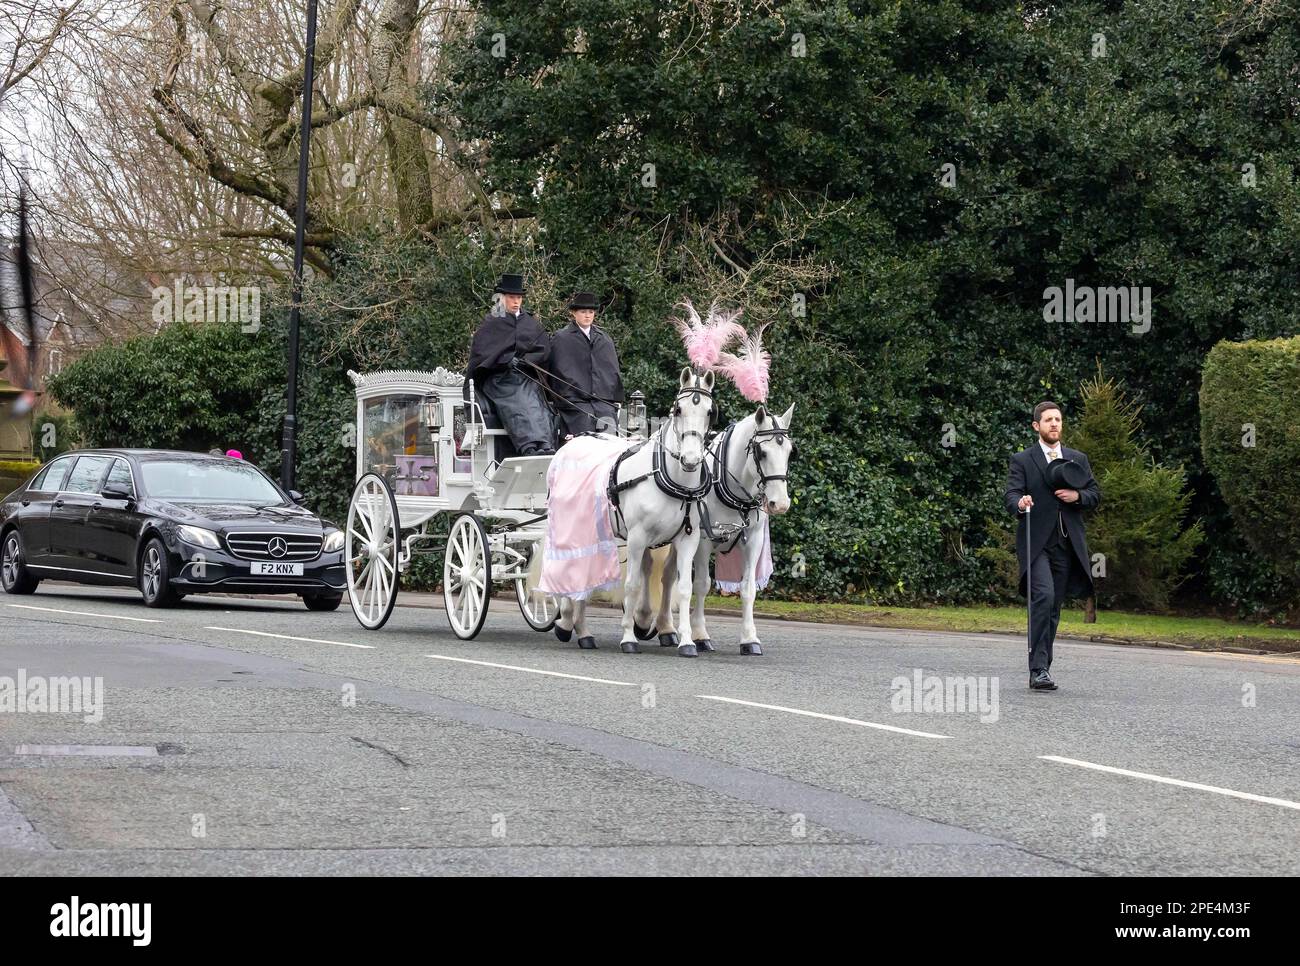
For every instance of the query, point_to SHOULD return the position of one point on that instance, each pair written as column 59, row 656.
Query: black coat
column 1029, row 475
column 591, row 365
column 501, row 338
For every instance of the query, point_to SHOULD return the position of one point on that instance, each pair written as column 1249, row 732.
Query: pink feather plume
column 749, row 368
column 705, row 339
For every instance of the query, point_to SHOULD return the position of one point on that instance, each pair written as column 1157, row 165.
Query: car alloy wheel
column 15, row 578
column 152, row 573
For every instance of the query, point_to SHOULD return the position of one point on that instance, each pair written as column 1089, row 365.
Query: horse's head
column 693, row 416
column 772, row 446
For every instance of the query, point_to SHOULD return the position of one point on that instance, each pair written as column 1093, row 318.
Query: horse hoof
column 687, row 650
column 705, row 645
column 587, row 643
column 751, row 647
column 630, row 647
column 642, row 633
column 562, row 634
column 668, row 640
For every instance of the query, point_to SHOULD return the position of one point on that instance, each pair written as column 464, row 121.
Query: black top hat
column 510, row 285
column 1066, row 474
column 584, row 300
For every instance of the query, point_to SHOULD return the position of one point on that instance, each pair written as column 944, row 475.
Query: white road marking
column 287, row 637
column 89, row 751
column 1174, row 781
column 532, row 670
column 86, row 613
column 825, row 717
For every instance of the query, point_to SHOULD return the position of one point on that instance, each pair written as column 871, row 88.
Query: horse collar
column 667, row 484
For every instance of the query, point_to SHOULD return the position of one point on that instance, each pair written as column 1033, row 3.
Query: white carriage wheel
column 373, row 543
column 467, row 576
column 540, row 610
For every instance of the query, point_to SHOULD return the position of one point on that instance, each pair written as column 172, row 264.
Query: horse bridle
column 695, row 392
column 756, row 451
column 691, row 496
column 748, row 501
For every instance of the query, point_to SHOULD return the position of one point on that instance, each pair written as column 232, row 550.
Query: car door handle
column 27, row 502
column 96, row 506
column 58, row 503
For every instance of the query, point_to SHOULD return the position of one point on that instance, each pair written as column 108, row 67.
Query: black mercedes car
column 170, row 523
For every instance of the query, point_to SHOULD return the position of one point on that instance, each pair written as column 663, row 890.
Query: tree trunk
column 407, row 159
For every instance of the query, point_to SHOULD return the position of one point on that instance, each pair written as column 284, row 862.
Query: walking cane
column 1029, row 582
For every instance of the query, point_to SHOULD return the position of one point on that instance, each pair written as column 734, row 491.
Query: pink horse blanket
column 729, row 568
column 581, row 554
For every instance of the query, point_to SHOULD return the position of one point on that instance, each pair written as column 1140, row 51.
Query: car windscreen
column 228, row 481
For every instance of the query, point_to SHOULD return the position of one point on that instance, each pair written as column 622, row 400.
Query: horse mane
column 706, row 338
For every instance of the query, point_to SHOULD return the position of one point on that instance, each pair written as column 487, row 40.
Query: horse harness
column 730, row 493
column 687, row 494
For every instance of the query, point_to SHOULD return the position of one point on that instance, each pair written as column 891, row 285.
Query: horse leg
column 564, row 624
column 665, row 624
column 749, row 643
column 632, row 586
column 642, row 619
column 664, row 616
column 698, row 629
column 585, row 640
column 685, row 545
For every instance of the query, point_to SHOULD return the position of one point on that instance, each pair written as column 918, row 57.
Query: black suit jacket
column 1029, row 475
column 588, row 370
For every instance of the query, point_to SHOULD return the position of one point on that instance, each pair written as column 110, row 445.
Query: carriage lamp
column 431, row 410
column 636, row 412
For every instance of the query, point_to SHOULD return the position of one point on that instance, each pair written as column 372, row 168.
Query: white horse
column 751, row 460
column 658, row 487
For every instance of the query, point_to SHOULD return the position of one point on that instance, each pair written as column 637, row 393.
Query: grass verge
column 1208, row 633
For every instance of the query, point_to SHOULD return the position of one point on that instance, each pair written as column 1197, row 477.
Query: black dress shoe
column 1041, row 681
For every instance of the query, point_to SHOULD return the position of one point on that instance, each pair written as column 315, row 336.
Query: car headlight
column 333, row 542
column 199, row 537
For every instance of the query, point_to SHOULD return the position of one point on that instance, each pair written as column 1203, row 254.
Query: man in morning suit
column 1050, row 486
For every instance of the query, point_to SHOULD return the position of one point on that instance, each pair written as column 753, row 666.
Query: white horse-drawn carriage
column 427, row 449
column 429, row 453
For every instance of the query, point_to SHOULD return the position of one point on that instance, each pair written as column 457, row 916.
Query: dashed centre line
column 86, row 613
column 288, row 637
column 533, row 670
column 1197, row 786
column 825, row 717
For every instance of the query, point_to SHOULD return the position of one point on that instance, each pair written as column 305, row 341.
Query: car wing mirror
column 114, row 493
column 296, row 496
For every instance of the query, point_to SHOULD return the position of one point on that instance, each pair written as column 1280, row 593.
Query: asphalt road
column 259, row 738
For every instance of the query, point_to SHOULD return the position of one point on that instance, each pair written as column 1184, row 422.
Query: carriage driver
column 508, row 346
column 585, row 365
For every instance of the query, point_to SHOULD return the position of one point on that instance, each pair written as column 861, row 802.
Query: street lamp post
column 289, row 441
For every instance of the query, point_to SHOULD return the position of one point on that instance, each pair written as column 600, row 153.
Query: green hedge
column 188, row 388
column 1250, row 437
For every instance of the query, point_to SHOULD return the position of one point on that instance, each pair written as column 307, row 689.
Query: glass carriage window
column 398, row 446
